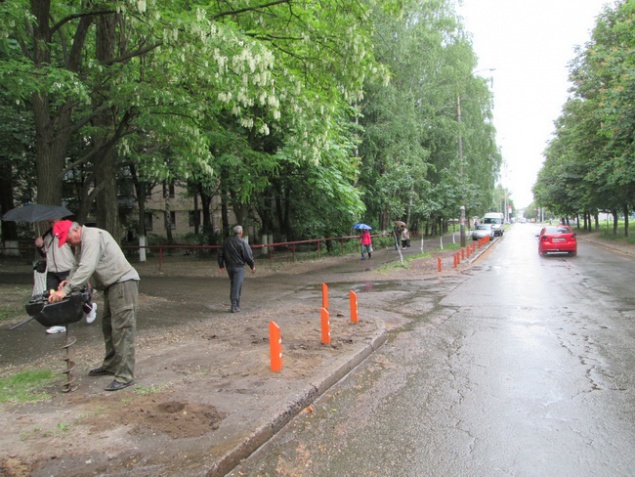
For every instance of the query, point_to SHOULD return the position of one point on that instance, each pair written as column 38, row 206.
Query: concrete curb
column 336, row 372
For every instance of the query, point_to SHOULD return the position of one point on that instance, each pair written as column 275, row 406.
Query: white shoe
column 56, row 329
column 90, row 317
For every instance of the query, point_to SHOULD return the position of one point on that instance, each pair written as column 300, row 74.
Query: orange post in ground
column 275, row 347
column 353, row 298
column 468, row 251
column 439, row 263
column 462, row 254
column 325, row 296
column 326, row 326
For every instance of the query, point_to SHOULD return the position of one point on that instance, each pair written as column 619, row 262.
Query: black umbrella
column 36, row 213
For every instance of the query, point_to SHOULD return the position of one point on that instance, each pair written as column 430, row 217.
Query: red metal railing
column 271, row 251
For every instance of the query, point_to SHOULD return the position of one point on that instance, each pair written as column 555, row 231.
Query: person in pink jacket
column 367, row 244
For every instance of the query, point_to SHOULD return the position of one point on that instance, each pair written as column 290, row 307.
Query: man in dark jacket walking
column 233, row 256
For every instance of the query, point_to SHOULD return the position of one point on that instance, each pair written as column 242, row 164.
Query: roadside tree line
column 590, row 162
column 302, row 116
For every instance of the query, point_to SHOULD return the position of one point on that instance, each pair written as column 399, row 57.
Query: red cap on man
column 61, row 229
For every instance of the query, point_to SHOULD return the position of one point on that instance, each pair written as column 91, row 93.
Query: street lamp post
column 462, row 226
column 459, row 120
column 461, row 181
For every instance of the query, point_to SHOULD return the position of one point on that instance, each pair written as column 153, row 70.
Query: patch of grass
column 619, row 237
column 13, row 299
column 144, row 390
column 406, row 262
column 63, row 427
column 26, row 386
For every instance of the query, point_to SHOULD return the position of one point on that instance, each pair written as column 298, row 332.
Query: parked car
column 482, row 230
column 557, row 239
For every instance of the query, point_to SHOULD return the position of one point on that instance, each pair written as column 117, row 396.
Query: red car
column 557, row 239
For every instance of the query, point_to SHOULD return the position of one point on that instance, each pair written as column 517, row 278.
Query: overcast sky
column 530, row 45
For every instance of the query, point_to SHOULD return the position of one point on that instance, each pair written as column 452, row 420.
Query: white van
column 496, row 219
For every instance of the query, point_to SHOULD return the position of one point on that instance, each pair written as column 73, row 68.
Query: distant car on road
column 557, row 239
column 481, row 231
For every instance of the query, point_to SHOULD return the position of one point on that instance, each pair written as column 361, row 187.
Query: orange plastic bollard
column 275, row 347
column 353, row 299
column 439, row 263
column 456, row 260
column 325, row 296
column 462, row 254
column 468, row 251
column 326, row 326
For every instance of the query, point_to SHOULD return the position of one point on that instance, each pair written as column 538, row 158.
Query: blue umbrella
column 362, row 227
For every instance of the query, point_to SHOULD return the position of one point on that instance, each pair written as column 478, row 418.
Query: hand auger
column 63, row 313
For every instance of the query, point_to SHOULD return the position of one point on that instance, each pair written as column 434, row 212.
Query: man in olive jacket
column 234, row 255
column 101, row 258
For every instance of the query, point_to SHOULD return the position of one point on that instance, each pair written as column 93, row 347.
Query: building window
column 171, row 190
column 148, row 221
column 195, row 218
column 172, row 220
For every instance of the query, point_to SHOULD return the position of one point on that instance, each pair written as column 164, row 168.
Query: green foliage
column 26, row 386
column 283, row 109
column 590, row 163
column 413, row 167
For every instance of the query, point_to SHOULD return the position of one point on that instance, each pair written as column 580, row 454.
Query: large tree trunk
column 52, row 123
column 596, row 217
column 167, row 216
column 50, row 150
column 106, row 161
column 9, row 229
column 615, row 220
column 206, row 206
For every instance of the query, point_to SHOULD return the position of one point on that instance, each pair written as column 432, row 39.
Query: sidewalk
column 205, row 396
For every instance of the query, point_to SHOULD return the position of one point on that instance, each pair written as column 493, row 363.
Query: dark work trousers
column 236, row 275
column 119, row 325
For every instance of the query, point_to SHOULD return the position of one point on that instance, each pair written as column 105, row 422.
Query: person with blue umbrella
column 365, row 239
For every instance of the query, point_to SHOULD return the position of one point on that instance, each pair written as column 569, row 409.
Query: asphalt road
column 523, row 369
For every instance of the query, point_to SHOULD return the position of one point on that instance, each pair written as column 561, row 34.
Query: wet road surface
column 522, row 369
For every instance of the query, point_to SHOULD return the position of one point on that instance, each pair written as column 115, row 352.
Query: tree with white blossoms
column 130, row 80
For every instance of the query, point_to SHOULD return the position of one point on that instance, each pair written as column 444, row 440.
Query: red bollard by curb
column 275, row 347
column 462, row 254
column 439, row 263
column 325, row 296
column 353, row 299
column 468, row 252
column 326, row 326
